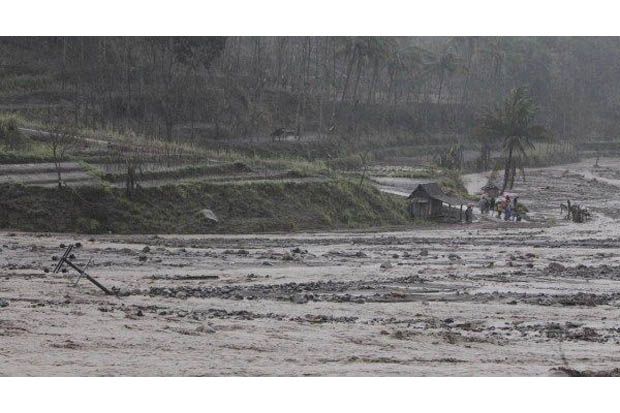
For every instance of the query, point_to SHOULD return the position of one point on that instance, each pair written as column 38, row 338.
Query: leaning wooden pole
column 89, row 278
column 65, row 260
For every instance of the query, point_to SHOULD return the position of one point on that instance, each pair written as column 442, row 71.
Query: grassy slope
column 172, row 209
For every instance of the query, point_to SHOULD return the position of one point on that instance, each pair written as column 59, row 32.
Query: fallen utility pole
column 82, row 272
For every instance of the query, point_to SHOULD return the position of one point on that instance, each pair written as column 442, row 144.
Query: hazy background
column 218, row 88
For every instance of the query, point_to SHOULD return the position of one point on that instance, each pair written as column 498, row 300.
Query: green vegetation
column 10, row 136
column 33, row 153
column 412, row 173
column 180, row 109
column 452, row 184
column 340, row 88
column 259, row 207
column 511, row 124
column 15, row 147
column 549, row 153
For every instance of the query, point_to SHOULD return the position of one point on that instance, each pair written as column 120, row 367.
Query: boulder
column 123, row 292
column 208, row 214
column 205, row 328
column 556, row 267
column 299, row 299
column 386, row 265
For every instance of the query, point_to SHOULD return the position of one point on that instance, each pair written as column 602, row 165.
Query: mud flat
column 490, row 298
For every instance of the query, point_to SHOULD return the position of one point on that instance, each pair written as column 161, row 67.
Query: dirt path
column 44, row 174
column 73, row 174
column 483, row 299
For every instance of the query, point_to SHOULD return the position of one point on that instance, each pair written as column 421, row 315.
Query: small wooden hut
column 491, row 190
column 427, row 201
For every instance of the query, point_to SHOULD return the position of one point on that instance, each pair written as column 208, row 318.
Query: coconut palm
column 362, row 51
column 468, row 46
column 512, row 124
column 405, row 68
column 444, row 66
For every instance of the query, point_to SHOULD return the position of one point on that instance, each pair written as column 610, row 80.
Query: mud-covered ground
column 540, row 297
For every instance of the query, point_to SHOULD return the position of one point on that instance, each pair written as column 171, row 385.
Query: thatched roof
column 433, row 190
column 490, row 187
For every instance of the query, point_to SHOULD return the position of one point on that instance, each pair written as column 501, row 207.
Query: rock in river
column 555, row 267
column 205, row 328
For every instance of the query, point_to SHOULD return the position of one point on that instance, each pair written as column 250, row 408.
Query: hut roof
column 490, row 187
column 433, row 190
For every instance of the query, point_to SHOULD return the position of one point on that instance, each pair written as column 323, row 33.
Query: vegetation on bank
column 511, row 126
column 256, row 207
column 348, row 105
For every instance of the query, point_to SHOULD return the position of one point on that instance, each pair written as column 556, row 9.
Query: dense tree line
column 213, row 87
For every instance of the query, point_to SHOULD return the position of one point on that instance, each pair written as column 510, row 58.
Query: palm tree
column 444, row 66
column 512, row 124
column 362, row 51
column 378, row 52
column 469, row 47
column 404, row 69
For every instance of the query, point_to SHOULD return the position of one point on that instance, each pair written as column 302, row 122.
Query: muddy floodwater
column 540, row 297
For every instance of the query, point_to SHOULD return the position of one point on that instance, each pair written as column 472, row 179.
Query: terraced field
column 45, row 174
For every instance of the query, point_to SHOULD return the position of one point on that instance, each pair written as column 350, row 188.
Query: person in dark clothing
column 492, row 204
column 508, row 209
column 515, row 212
column 469, row 214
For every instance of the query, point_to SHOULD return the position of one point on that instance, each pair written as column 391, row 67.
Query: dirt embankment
column 255, row 207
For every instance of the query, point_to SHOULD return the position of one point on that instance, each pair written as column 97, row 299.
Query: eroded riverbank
column 491, row 298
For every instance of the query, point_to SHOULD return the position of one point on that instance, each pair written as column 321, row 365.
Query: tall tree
column 443, row 67
column 512, row 124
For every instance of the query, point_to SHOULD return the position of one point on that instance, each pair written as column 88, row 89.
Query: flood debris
column 186, row 277
column 567, row 371
column 575, row 212
column 206, row 328
column 386, row 265
column 555, row 267
column 65, row 259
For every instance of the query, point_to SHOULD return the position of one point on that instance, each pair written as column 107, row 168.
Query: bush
column 88, row 225
column 10, row 136
column 522, row 209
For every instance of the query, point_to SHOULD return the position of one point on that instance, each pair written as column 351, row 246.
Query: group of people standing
column 502, row 205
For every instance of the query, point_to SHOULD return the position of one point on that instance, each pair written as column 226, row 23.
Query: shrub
column 10, row 135
column 88, row 225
